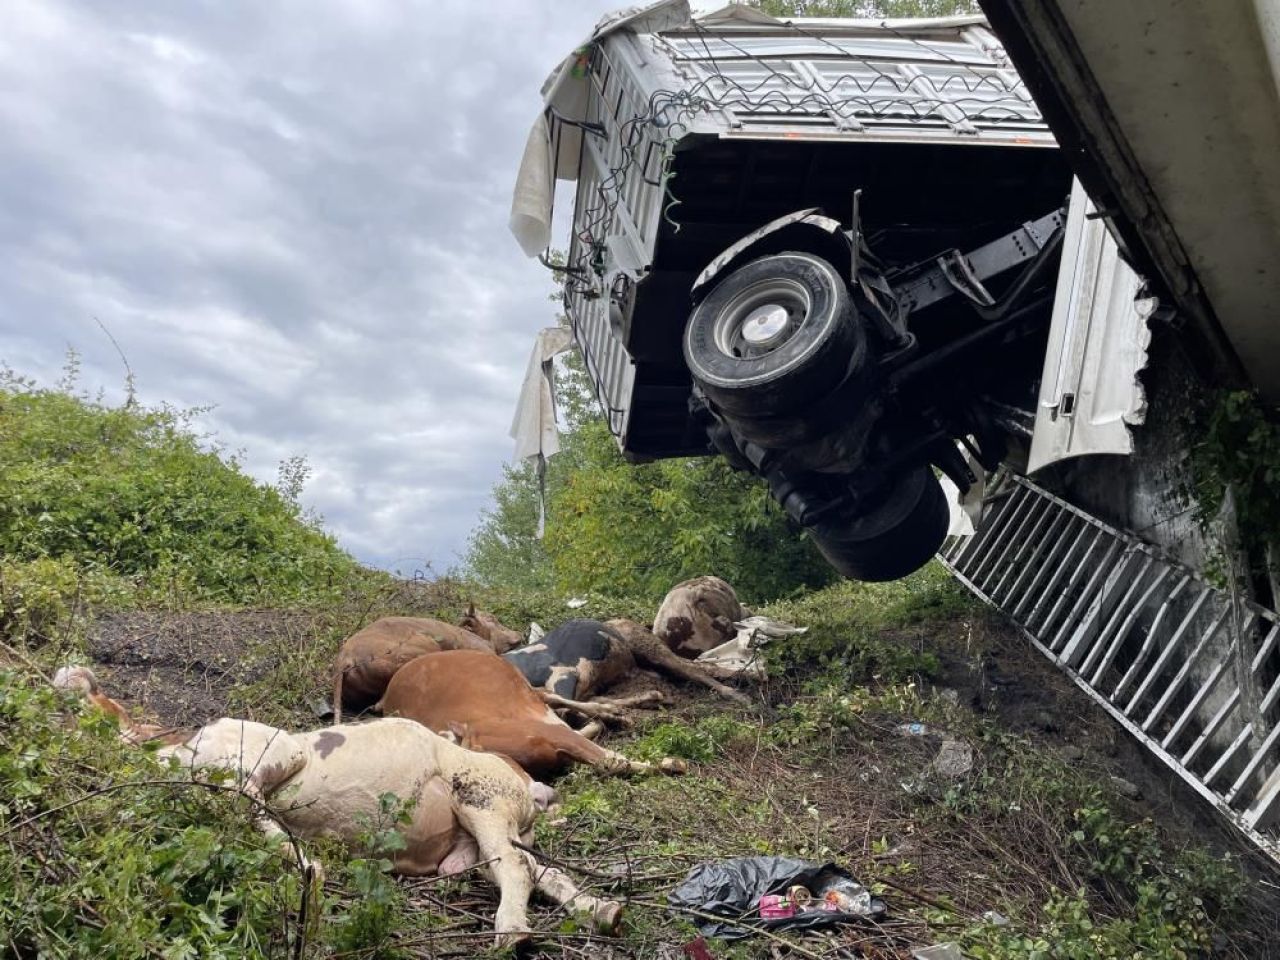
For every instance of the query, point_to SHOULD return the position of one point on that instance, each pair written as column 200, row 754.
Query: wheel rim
column 761, row 319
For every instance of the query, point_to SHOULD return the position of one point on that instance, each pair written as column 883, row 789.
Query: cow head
column 79, row 679
column 490, row 628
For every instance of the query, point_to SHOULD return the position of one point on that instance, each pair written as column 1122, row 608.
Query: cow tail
column 337, row 696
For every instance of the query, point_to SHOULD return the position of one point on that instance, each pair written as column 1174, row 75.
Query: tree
column 617, row 528
column 504, row 548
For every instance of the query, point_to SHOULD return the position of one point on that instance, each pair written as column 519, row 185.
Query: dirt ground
column 180, row 668
column 185, row 669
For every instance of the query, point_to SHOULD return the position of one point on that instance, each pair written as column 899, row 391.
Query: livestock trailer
column 846, row 255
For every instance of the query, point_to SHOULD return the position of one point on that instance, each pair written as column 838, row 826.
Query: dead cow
column 369, row 658
column 488, row 626
column 491, row 699
column 583, row 658
column 698, row 615
column 83, row 681
column 467, row 807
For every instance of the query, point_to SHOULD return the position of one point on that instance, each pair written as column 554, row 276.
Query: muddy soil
column 180, row 668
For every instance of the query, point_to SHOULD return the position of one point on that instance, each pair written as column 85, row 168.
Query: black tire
column 774, row 335
column 896, row 538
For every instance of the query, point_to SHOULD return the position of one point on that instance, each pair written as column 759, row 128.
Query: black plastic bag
column 732, row 889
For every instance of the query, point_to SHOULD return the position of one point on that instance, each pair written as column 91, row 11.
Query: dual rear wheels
column 770, row 343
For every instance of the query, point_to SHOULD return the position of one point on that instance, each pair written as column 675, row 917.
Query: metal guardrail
column 1191, row 670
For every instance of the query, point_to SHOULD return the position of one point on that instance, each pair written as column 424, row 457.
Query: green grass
column 866, row 630
column 125, row 508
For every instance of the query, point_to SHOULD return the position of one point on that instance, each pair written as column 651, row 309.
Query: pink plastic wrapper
column 776, row 906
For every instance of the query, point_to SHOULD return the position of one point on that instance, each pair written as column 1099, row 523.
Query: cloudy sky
column 295, row 211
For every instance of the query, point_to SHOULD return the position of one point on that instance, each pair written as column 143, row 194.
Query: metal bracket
column 589, row 126
column 960, row 275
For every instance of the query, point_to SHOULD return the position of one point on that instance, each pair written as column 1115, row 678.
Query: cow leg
column 618, row 765
column 594, row 709
column 569, row 743
column 648, row 699
column 647, row 648
column 591, row 730
column 511, row 870
column 605, row 914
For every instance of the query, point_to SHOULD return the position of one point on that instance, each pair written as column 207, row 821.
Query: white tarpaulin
column 534, row 427
column 555, row 145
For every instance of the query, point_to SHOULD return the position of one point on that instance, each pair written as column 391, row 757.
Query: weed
column 143, row 867
column 865, row 630
column 701, row 741
column 378, row 911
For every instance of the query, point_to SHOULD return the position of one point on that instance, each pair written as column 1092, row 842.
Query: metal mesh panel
column 1190, row 670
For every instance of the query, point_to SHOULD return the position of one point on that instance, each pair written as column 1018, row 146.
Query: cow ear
column 471, row 609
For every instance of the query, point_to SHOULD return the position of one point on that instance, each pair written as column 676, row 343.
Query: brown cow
column 84, row 682
column 370, row 657
column 698, row 615
column 492, row 701
column 489, row 627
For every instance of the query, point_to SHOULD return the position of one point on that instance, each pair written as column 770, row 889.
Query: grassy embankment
column 111, row 519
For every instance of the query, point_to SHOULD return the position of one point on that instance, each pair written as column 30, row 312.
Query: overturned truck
column 840, row 254
column 872, row 262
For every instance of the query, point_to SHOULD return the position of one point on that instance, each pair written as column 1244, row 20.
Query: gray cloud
column 296, row 212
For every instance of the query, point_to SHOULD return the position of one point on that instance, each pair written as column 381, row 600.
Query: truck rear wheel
column 773, row 336
column 897, row 537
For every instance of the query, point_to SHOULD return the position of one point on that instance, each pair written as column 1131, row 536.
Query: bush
column 36, row 595
column 127, row 497
column 108, row 853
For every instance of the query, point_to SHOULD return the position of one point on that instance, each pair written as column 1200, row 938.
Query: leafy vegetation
column 616, row 527
column 619, row 529
column 130, row 864
column 1235, row 448
column 102, row 503
column 863, row 630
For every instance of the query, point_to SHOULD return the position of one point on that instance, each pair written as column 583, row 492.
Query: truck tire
column 896, row 538
column 773, row 336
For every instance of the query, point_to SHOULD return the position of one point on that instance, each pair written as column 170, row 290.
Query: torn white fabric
column 741, row 656
column 735, row 658
column 554, row 147
column 531, row 203
column 534, row 427
column 966, row 508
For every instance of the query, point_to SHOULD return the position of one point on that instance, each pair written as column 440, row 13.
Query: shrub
column 108, row 853
column 128, row 496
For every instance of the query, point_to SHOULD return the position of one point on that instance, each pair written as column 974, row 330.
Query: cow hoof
column 608, row 917
column 673, row 766
column 519, row 941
